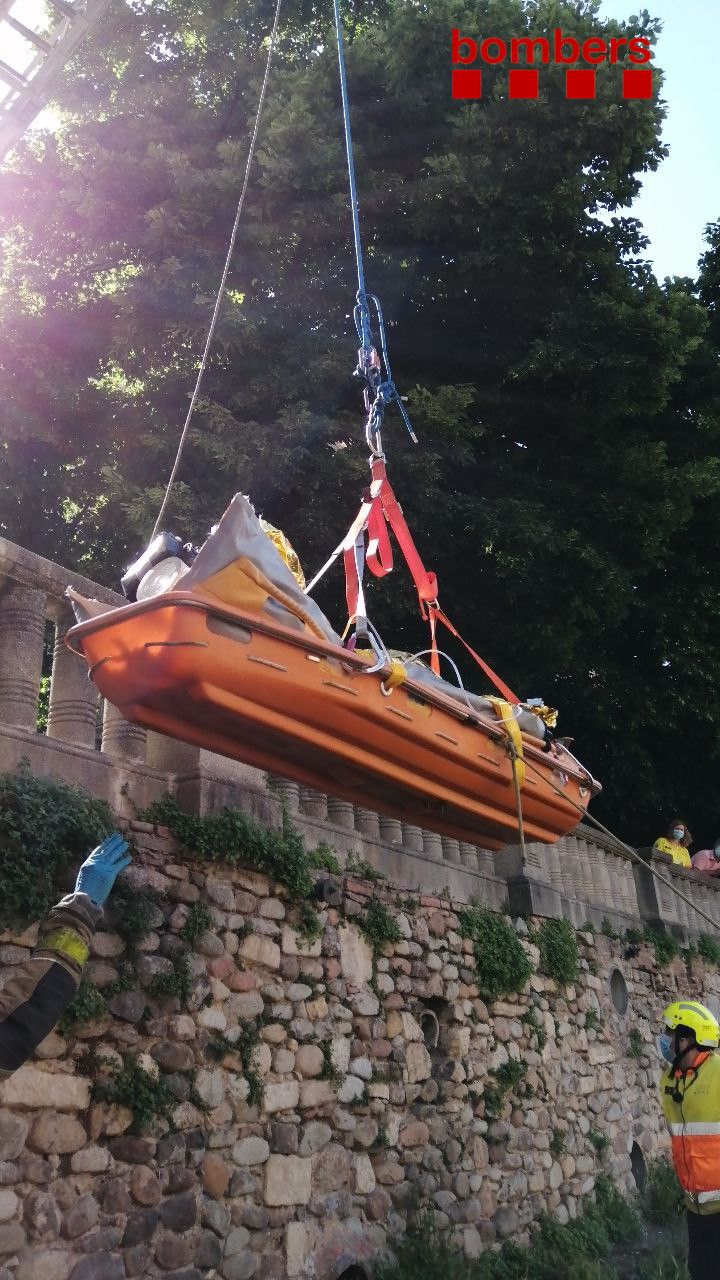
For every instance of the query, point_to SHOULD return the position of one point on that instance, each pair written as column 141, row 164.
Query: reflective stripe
column 703, row 1196
column 695, row 1129
column 67, row 943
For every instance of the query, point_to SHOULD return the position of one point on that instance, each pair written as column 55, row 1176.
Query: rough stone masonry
column 358, row 1093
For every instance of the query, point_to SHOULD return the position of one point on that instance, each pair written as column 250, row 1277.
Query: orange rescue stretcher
column 237, row 659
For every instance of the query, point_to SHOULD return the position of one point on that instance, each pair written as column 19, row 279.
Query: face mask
column 678, row 833
column 666, row 1046
column 716, row 851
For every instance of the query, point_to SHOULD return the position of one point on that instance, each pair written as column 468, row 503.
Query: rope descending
column 226, row 268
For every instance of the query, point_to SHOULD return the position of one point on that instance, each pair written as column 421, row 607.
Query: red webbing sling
column 381, row 508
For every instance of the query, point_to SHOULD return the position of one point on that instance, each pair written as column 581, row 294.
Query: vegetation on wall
column 559, row 956
column 131, row 1085
column 46, row 827
column 378, row 925
column 500, row 1084
column 233, row 838
column 501, row 963
column 585, row 1246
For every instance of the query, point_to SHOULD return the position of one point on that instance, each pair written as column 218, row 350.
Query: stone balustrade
column 584, row 877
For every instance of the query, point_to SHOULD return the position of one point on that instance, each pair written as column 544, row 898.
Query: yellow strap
column 67, row 943
column 397, row 675
column 505, row 713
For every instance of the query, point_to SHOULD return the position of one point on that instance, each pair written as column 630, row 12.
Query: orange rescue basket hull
column 305, row 709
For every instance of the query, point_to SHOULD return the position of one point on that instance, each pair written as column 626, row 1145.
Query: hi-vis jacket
column 41, row 988
column 694, row 1124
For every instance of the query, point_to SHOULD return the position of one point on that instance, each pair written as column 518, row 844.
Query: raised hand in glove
column 97, row 874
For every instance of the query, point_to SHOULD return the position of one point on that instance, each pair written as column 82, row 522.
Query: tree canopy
column 567, row 403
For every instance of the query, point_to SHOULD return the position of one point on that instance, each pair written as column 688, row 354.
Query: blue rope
column 380, row 390
column 363, row 315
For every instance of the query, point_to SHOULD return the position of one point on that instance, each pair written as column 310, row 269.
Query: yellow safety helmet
column 692, row 1014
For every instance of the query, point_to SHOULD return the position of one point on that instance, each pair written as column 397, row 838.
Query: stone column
column 412, row 837
column 73, row 697
column 571, row 874
column 22, row 631
column 120, row 738
column 367, row 822
column 486, row 862
column 340, row 813
column 468, row 855
column 616, row 867
column 289, row 793
column 451, row 849
column 554, row 858
column 629, row 892
column 586, row 869
column 390, row 830
column 169, row 755
column 313, row 804
column 432, row 846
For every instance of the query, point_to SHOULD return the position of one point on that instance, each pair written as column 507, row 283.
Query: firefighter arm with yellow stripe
column 41, row 987
column 691, row 1106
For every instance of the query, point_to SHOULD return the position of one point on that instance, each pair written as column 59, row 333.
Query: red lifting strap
column 385, row 510
column 380, row 509
column 505, row 692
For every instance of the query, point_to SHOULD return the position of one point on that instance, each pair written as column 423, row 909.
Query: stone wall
column 363, row 1092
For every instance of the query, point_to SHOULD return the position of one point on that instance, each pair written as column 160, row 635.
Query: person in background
column 40, row 990
column 690, row 1098
column 676, row 843
column 708, row 860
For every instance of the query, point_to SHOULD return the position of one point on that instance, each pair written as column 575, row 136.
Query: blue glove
column 97, row 874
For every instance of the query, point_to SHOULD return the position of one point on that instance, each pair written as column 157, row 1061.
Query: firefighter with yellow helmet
column 690, row 1096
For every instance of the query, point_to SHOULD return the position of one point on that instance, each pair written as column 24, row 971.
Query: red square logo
column 466, row 83
column 523, row 84
column 579, row 84
column 637, row 83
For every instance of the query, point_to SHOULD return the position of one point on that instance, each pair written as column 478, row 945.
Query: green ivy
column 666, row 947
column 709, row 949
column 559, row 957
column 662, row 1196
column 248, row 1038
column 501, row 963
column 558, row 1142
column 599, row 1141
column 87, row 1006
column 379, row 926
column 324, row 859
column 45, row 828
column 134, row 912
column 536, row 1027
column 178, row 983
column 148, row 1097
column 504, row 1081
column 636, row 1044
column 584, row 1245
column 309, row 925
column 362, row 869
column 199, row 921
column 233, row 838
